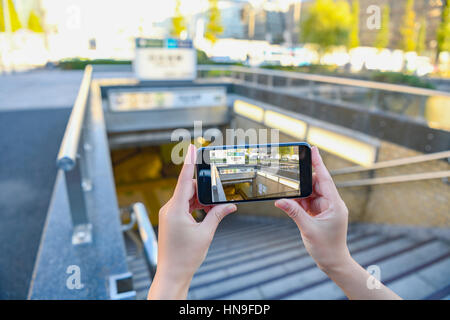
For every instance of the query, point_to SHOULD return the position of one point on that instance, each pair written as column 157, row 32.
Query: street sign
column 166, row 98
column 165, row 59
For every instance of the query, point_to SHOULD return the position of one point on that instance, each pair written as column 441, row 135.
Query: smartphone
column 244, row 173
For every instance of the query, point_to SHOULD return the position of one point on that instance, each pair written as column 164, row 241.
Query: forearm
column 353, row 279
column 165, row 288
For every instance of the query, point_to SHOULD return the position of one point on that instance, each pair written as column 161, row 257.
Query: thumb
column 295, row 212
column 216, row 214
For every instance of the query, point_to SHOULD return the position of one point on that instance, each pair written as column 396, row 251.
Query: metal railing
column 323, row 79
column 394, row 163
column 216, row 185
column 147, row 234
column 399, row 99
column 72, row 160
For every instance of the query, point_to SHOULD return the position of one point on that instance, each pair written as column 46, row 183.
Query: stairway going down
column 264, row 258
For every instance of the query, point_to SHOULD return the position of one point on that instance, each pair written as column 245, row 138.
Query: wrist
column 167, row 285
column 338, row 266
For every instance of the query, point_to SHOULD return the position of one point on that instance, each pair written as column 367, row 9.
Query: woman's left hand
column 183, row 242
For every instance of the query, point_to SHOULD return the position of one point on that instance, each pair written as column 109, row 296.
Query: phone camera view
column 241, row 174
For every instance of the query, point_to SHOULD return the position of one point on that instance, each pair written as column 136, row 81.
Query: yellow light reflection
column 342, row 146
column 271, row 177
column 248, row 110
column 290, row 183
column 288, row 125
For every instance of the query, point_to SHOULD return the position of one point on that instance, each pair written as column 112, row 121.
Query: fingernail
column 317, row 149
column 282, row 204
column 189, row 156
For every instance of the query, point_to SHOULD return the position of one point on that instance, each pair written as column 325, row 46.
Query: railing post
column 85, row 149
column 288, row 82
column 242, row 76
column 82, row 229
column 375, row 99
column 338, row 93
column 270, row 80
column 255, row 78
column 422, row 107
column 311, row 86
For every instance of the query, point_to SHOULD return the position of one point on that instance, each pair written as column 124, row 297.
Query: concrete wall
column 421, row 203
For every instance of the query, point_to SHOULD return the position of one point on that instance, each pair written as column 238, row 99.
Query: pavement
column 45, row 89
column 28, row 147
column 34, row 109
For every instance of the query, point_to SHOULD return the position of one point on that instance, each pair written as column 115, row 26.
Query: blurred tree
column 327, row 24
column 178, row 21
column 443, row 33
column 34, row 23
column 14, row 22
column 383, row 36
column 13, row 17
column 422, row 37
column 408, row 29
column 2, row 18
column 354, row 30
column 214, row 26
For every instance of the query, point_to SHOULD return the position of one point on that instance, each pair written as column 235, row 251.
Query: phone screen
column 252, row 173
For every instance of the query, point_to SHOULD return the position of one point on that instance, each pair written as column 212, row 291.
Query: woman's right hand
column 322, row 218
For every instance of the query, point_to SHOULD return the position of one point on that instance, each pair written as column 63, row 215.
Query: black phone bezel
column 204, row 180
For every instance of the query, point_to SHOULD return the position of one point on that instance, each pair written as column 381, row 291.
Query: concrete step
column 264, row 258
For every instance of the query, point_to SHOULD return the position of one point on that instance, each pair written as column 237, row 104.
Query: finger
column 207, row 208
column 323, row 184
column 216, row 214
column 304, row 203
column 295, row 212
column 185, row 188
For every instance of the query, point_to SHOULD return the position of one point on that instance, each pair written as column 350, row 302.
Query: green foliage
column 408, row 29
column 312, row 68
column 443, row 33
column 214, row 26
column 327, row 24
column 383, row 36
column 34, row 23
column 202, row 58
column 178, row 21
column 354, row 30
column 422, row 37
column 80, row 64
column 401, row 78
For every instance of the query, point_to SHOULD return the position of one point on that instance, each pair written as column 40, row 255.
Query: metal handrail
column 68, row 151
column 74, row 145
column 393, row 163
column 329, row 79
column 147, row 235
column 394, row 179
